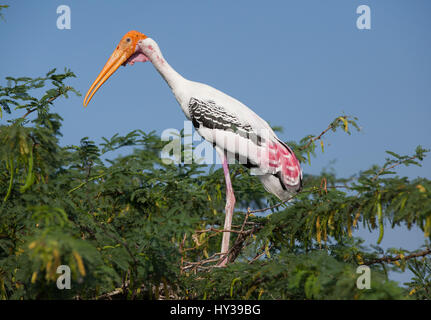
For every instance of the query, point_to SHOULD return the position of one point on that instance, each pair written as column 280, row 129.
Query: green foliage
column 2, row 6
column 134, row 227
column 421, row 282
column 293, row 275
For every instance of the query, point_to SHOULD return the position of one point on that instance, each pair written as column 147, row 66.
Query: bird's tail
column 284, row 174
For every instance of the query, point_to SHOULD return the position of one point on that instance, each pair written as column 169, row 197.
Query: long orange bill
column 117, row 59
column 124, row 51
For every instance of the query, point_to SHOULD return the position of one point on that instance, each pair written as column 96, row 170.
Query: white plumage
column 184, row 90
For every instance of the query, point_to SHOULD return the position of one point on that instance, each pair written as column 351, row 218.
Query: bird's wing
column 208, row 114
column 254, row 148
column 228, row 104
column 223, row 128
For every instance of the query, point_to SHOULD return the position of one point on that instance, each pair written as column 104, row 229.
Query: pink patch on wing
column 282, row 157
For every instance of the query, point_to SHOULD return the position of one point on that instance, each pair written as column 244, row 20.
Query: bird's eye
column 128, row 39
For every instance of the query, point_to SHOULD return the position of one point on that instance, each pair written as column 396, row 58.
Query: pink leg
column 230, row 205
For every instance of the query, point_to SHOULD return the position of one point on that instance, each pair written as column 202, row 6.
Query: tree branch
column 50, row 100
column 390, row 259
column 331, row 126
column 391, row 167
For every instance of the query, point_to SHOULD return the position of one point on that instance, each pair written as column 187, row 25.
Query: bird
column 234, row 130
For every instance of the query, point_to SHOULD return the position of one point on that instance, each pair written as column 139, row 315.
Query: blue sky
column 298, row 64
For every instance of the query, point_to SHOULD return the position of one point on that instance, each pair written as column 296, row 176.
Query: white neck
column 174, row 80
column 168, row 73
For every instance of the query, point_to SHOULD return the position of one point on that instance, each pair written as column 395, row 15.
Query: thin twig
column 259, row 255
column 87, row 181
column 391, row 167
column 331, row 126
column 217, row 230
column 28, row 112
column 49, row 101
column 390, row 259
column 110, row 294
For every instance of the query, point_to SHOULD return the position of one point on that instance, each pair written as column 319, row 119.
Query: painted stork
column 235, row 131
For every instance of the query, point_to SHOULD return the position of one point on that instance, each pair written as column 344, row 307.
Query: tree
column 1, row 8
column 135, row 227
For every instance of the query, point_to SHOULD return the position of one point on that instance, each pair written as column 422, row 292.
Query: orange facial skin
column 124, row 50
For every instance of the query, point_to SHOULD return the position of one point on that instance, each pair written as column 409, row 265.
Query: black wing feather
column 210, row 115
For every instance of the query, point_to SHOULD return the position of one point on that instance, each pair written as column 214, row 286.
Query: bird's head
column 127, row 52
